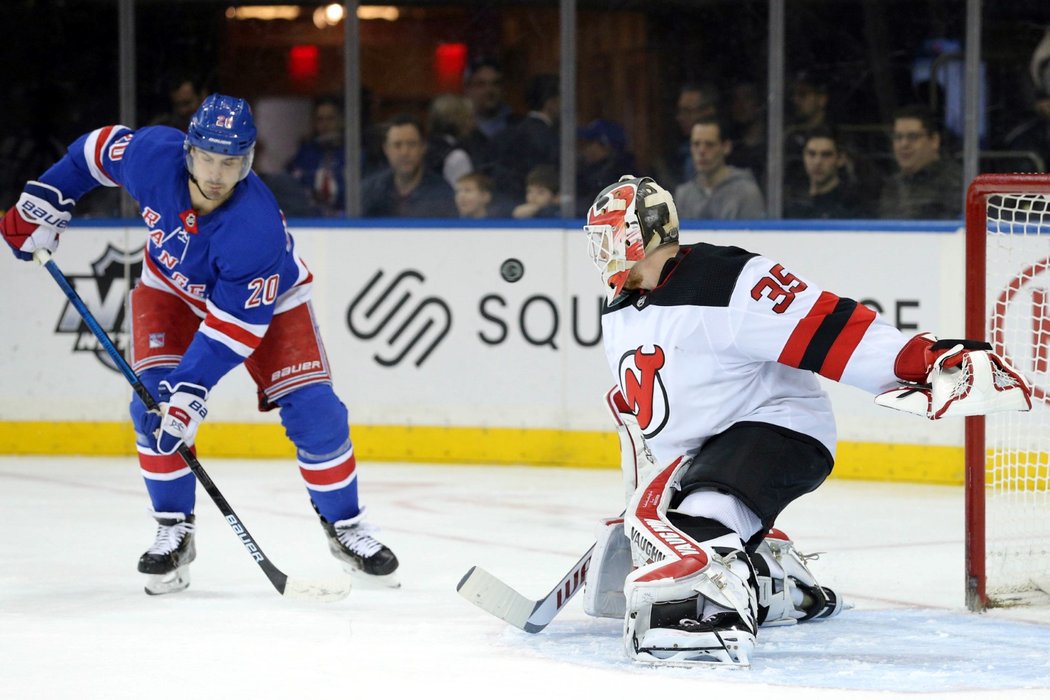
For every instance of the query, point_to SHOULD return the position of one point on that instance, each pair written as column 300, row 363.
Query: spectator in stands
column 534, row 140
column 186, row 94
column 483, row 86
column 831, row 192
column 926, row 185
column 719, row 190
column 809, row 98
column 319, row 164
column 451, row 119
column 603, row 159
column 696, row 101
column 747, row 123
column 27, row 148
column 406, row 188
column 291, row 196
column 541, row 195
column 473, row 196
column 1033, row 135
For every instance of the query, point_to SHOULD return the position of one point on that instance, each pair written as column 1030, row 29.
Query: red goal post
column 1007, row 470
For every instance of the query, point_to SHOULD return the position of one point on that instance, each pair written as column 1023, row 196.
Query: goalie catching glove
column 180, row 415
column 36, row 221
column 942, row 378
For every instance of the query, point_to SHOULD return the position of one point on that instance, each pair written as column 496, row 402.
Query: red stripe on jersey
column 232, row 330
column 198, row 303
column 162, row 464
column 331, row 475
column 100, row 145
column 846, row 342
column 795, row 348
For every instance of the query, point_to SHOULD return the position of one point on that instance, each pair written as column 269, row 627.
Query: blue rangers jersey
column 235, row 267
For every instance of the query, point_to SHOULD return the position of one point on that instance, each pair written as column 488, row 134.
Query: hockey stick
column 497, row 598
column 325, row 591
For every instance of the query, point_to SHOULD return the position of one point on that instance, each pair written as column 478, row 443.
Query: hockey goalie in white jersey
column 723, row 423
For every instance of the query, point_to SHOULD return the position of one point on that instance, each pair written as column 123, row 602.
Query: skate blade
column 360, row 578
column 171, row 582
column 683, row 649
column 689, row 658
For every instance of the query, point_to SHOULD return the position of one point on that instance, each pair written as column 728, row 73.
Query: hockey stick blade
column 497, row 598
column 326, row 591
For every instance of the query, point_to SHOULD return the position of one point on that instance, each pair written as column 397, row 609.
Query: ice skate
column 724, row 639
column 363, row 556
column 166, row 563
column 692, row 611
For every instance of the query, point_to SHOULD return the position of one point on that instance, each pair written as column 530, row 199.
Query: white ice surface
column 74, row 622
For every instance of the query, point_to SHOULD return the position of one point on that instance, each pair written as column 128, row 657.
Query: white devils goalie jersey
column 729, row 336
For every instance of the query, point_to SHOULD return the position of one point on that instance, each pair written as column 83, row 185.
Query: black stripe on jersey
column 699, row 275
column 826, row 335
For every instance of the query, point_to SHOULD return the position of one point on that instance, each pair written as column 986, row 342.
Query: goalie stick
column 325, row 591
column 497, row 598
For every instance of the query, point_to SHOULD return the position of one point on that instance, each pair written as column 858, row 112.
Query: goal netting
column 1008, row 454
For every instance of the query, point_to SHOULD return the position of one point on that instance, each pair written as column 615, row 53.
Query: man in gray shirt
column 719, row 191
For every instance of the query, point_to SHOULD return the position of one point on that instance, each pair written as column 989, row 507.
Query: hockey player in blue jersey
column 221, row 285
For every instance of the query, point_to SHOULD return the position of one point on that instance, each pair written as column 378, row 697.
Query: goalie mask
column 628, row 220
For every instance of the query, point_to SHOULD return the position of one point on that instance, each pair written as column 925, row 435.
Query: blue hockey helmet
column 223, row 124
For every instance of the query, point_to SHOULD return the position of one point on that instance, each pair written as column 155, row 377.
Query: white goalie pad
column 788, row 592
column 963, row 383
column 687, row 602
column 610, row 564
column 664, row 601
column 636, row 461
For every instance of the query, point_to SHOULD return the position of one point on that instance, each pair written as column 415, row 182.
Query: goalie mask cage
column 1008, row 454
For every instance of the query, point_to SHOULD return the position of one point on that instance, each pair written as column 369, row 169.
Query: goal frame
column 977, row 194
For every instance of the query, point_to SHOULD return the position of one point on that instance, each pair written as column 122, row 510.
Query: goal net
column 1008, row 454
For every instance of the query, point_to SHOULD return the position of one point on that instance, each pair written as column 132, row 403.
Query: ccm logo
column 295, row 369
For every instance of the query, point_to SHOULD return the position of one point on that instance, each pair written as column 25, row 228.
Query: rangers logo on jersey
column 150, row 217
column 643, row 387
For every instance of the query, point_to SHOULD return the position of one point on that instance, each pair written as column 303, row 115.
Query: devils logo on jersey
column 642, row 386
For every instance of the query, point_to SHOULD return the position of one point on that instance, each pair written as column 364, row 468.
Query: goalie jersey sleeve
column 778, row 315
column 731, row 337
column 234, row 267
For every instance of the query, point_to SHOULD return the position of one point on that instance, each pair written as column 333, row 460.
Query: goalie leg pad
column 688, row 603
column 636, row 461
column 664, row 624
column 788, row 592
column 610, row 564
